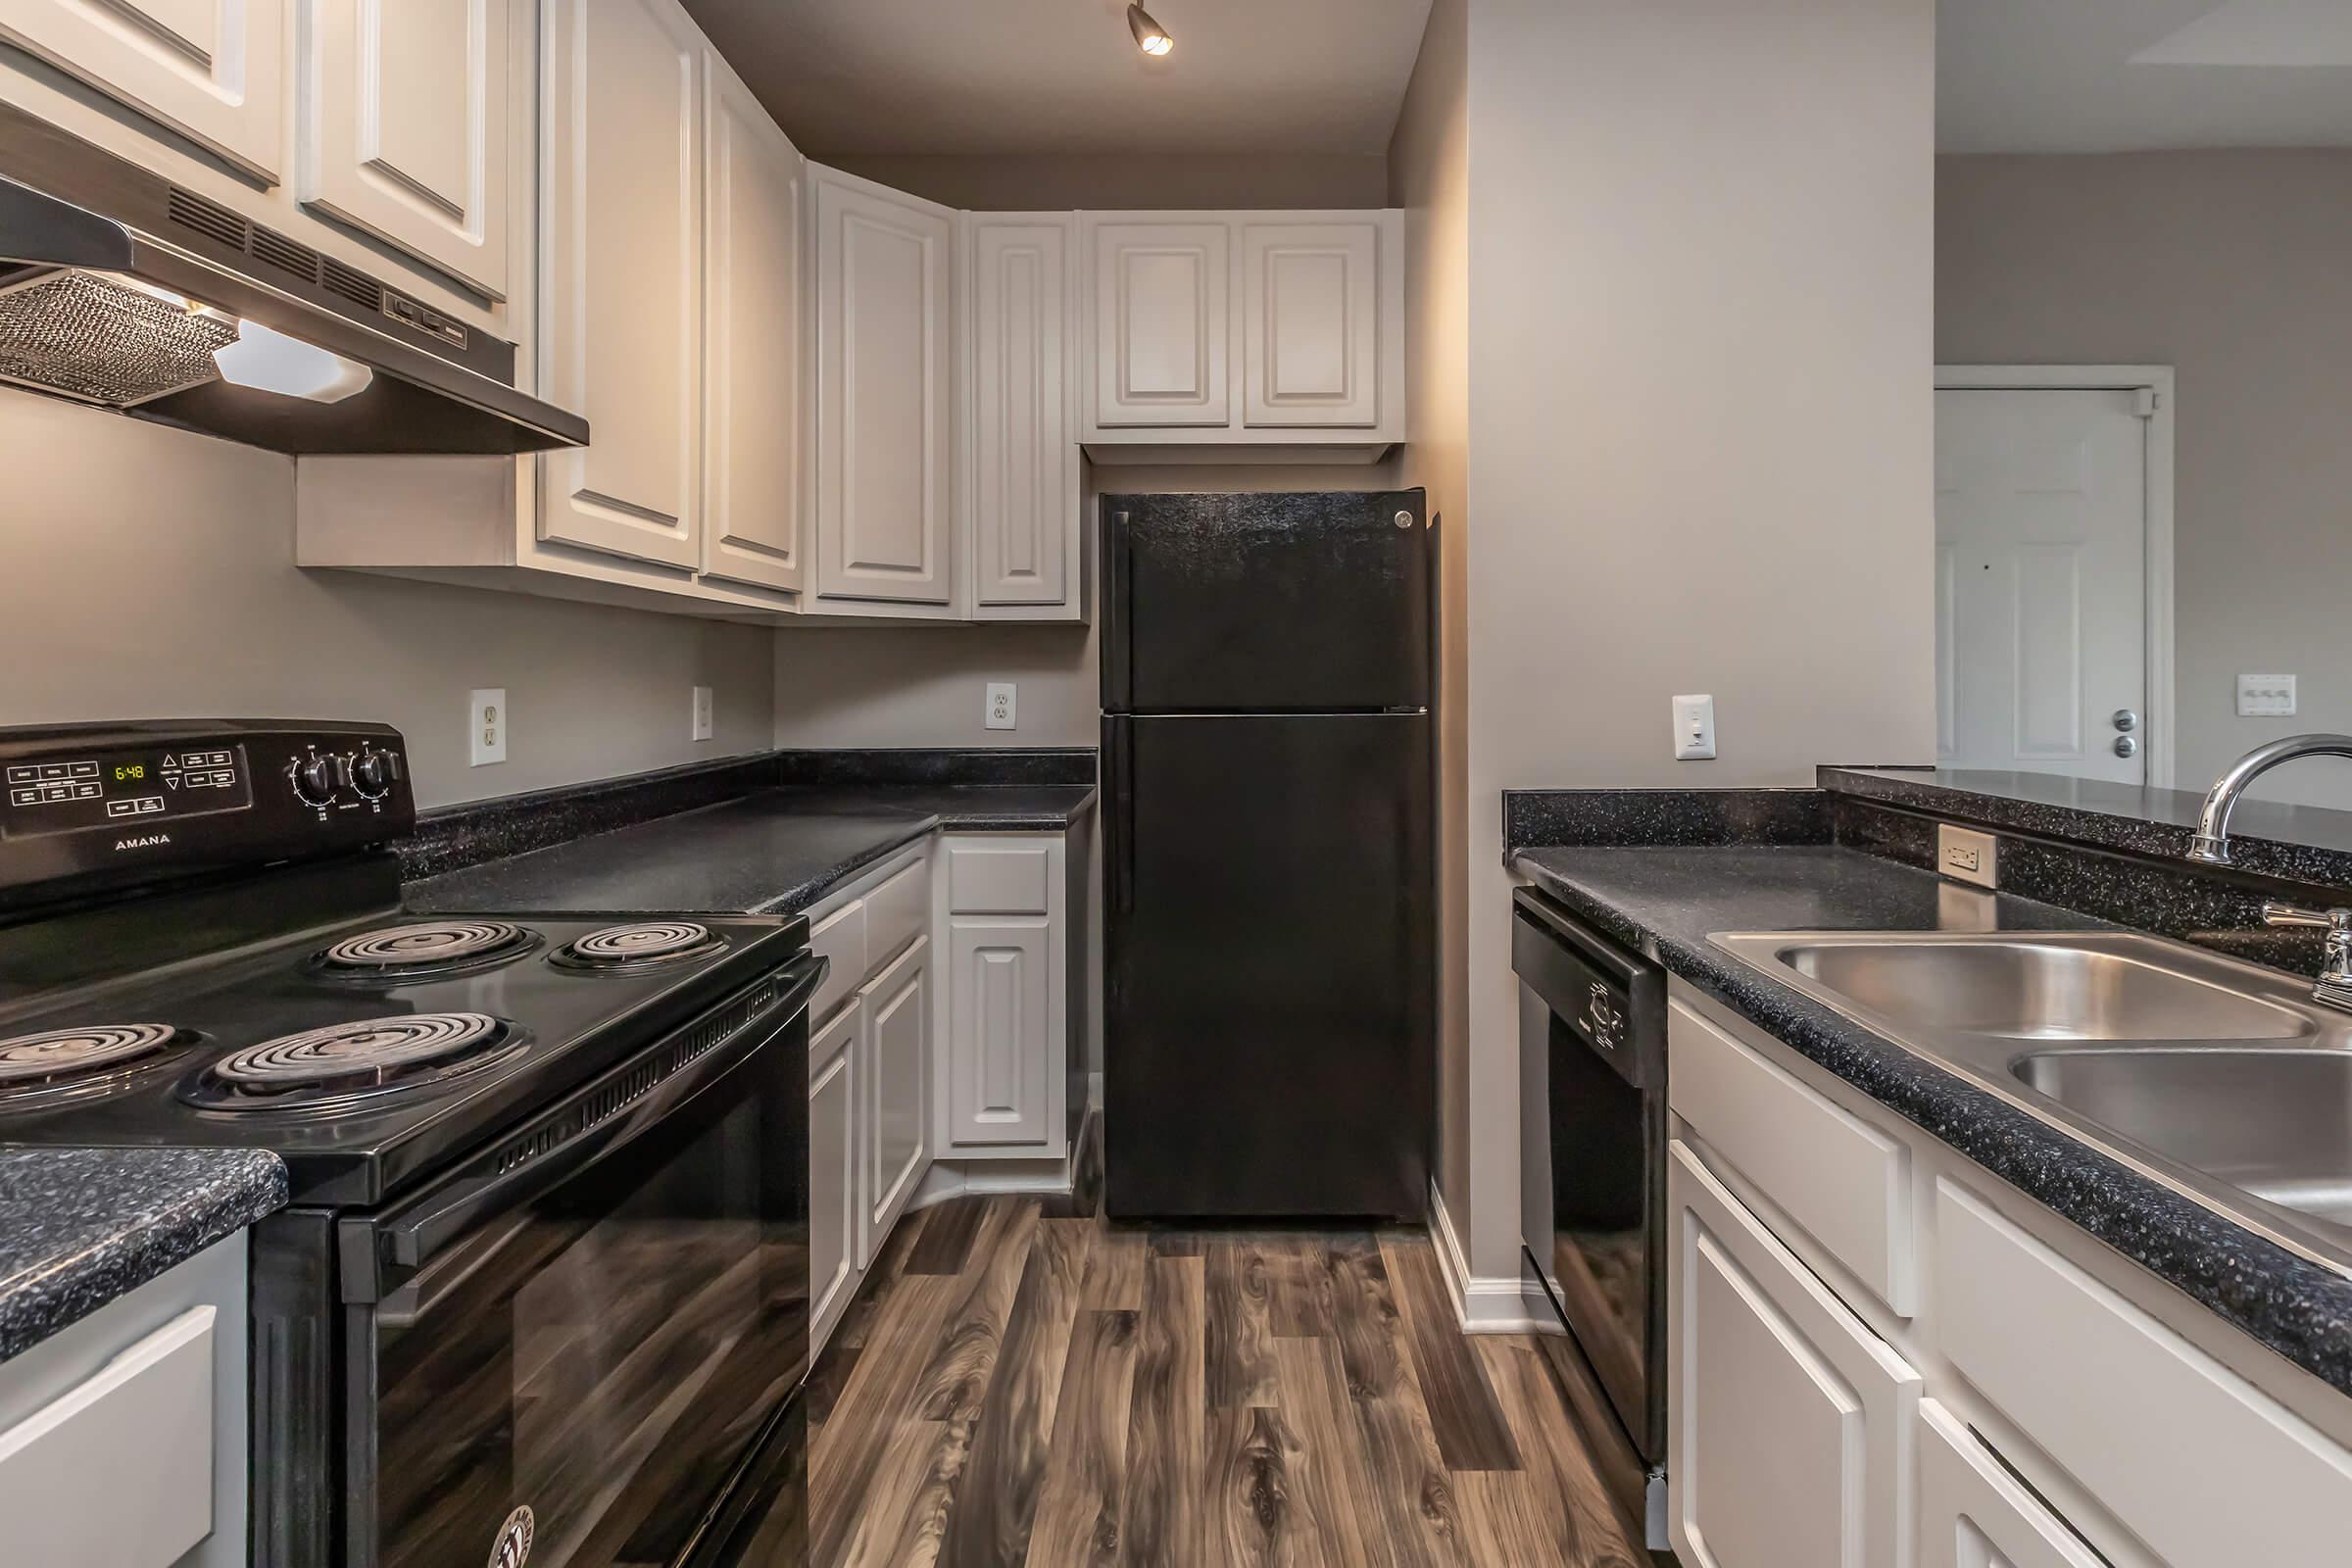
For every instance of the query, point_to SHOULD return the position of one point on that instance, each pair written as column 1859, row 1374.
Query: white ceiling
column 2118, row 75
column 1025, row 76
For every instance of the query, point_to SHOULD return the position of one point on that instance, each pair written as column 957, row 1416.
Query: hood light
column 271, row 362
column 1149, row 37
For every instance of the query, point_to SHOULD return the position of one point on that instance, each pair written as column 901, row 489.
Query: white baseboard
column 948, row 1179
column 1492, row 1304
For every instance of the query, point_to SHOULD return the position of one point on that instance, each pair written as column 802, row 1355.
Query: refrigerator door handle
column 1121, row 765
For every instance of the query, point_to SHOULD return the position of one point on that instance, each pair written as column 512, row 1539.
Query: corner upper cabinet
column 403, row 128
column 621, row 257
column 886, row 398
column 1244, row 336
column 1024, row 510
column 211, row 70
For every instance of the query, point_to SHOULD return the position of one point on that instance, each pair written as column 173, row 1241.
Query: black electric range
column 543, row 1289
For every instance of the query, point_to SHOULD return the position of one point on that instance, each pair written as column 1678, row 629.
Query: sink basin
column 2025, row 989
column 2276, row 1123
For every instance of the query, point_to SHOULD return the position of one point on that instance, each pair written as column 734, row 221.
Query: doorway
column 2053, row 570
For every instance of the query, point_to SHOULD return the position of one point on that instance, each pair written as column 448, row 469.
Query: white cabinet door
column 622, row 325
column 885, row 394
column 211, row 70
column 1025, row 481
column 404, row 127
column 835, row 1208
column 1792, row 1424
column 1310, row 324
column 1161, row 333
column 752, row 413
column 898, row 1072
column 1975, row 1514
column 1000, row 1031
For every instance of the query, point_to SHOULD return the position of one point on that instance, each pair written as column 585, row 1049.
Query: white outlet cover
column 702, row 714
column 2266, row 696
column 1694, row 727
column 486, row 724
column 1000, row 712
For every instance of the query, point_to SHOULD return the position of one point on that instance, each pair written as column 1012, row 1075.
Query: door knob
column 2126, row 746
column 2126, row 720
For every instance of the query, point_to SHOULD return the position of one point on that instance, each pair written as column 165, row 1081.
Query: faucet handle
column 2276, row 914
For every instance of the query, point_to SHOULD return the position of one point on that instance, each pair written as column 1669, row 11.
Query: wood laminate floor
column 1022, row 1384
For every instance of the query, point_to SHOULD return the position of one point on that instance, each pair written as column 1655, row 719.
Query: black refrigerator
column 1268, row 857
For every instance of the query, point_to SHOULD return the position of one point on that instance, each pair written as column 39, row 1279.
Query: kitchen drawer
column 2186, row 1455
column 1843, row 1181
column 1000, row 878
column 841, row 937
column 118, row 1469
column 1974, row 1514
column 898, row 911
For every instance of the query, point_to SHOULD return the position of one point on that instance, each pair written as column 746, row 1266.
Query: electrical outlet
column 1693, row 728
column 702, row 714
column 2266, row 696
column 1967, row 855
column 998, row 714
column 487, row 723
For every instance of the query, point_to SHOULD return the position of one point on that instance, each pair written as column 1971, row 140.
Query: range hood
column 120, row 289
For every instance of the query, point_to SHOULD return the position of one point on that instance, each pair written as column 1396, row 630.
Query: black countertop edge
column 1659, row 816
column 79, row 1227
column 1663, row 901
column 2304, row 844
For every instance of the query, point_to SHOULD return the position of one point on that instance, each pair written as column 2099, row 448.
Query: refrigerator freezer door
column 1314, row 602
column 1268, row 939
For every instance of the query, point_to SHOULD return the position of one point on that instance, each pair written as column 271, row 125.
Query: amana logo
column 144, row 841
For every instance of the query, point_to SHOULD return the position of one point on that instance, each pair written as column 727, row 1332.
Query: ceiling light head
column 272, row 361
column 1149, row 37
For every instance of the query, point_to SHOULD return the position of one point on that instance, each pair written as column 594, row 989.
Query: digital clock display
column 127, row 773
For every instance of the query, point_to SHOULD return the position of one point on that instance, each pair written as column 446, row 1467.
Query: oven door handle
column 403, row 1243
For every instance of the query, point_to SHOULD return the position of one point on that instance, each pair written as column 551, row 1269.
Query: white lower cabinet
column 834, row 1209
column 897, row 1035
column 1791, row 1423
column 1974, row 1514
column 1003, row 1067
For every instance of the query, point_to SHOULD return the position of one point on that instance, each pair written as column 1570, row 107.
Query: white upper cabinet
column 621, row 247
column 1310, row 324
column 886, row 395
column 211, row 69
column 755, row 363
column 1161, row 333
column 404, row 127
column 1025, row 504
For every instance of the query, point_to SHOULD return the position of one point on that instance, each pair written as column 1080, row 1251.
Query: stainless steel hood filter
column 93, row 338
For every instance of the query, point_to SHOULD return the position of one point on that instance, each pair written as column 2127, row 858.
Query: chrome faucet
column 2334, row 987
column 2212, row 842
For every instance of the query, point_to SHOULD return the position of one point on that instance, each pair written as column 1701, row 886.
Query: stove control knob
column 313, row 779
column 371, row 776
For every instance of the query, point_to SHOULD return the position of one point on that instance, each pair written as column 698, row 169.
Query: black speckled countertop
column 1666, row 901
column 773, row 851
column 80, row 1226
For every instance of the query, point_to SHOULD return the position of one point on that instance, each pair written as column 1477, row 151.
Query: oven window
column 604, row 1358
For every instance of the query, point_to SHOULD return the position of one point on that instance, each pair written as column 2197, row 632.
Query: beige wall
column 1111, row 182
column 2235, row 268
column 1429, row 177
column 1700, row 423
column 147, row 572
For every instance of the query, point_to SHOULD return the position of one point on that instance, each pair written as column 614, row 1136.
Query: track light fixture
column 1149, row 37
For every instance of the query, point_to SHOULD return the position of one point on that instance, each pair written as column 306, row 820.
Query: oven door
column 576, row 1340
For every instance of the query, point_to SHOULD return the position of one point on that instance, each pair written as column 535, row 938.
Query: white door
column 885, row 394
column 897, row 1043
column 1974, row 1513
column 2041, row 582
column 752, row 423
column 1791, row 1423
column 1025, row 480
column 404, row 127
column 834, row 1207
column 1000, row 1031
column 623, row 322
column 1310, row 324
column 211, row 70
column 1161, row 333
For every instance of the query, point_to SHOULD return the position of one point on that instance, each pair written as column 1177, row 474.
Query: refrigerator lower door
column 1268, row 935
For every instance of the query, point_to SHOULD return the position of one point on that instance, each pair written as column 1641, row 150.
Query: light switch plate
column 2266, row 696
column 702, row 714
column 1968, row 856
column 1693, row 728
column 486, row 720
column 999, row 713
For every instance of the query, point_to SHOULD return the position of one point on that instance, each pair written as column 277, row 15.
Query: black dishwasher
column 1593, row 1215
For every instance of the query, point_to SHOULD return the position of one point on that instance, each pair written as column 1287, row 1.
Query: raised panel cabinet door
column 834, row 1206
column 898, row 1041
column 752, row 425
column 1310, row 324
column 1025, row 454
column 1972, row 1513
column 622, row 324
column 1161, row 333
column 1792, row 1425
column 1000, row 1031
column 885, row 394
column 404, row 127
column 211, row 69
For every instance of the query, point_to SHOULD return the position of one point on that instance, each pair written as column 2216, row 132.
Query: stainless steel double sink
column 2219, row 1077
